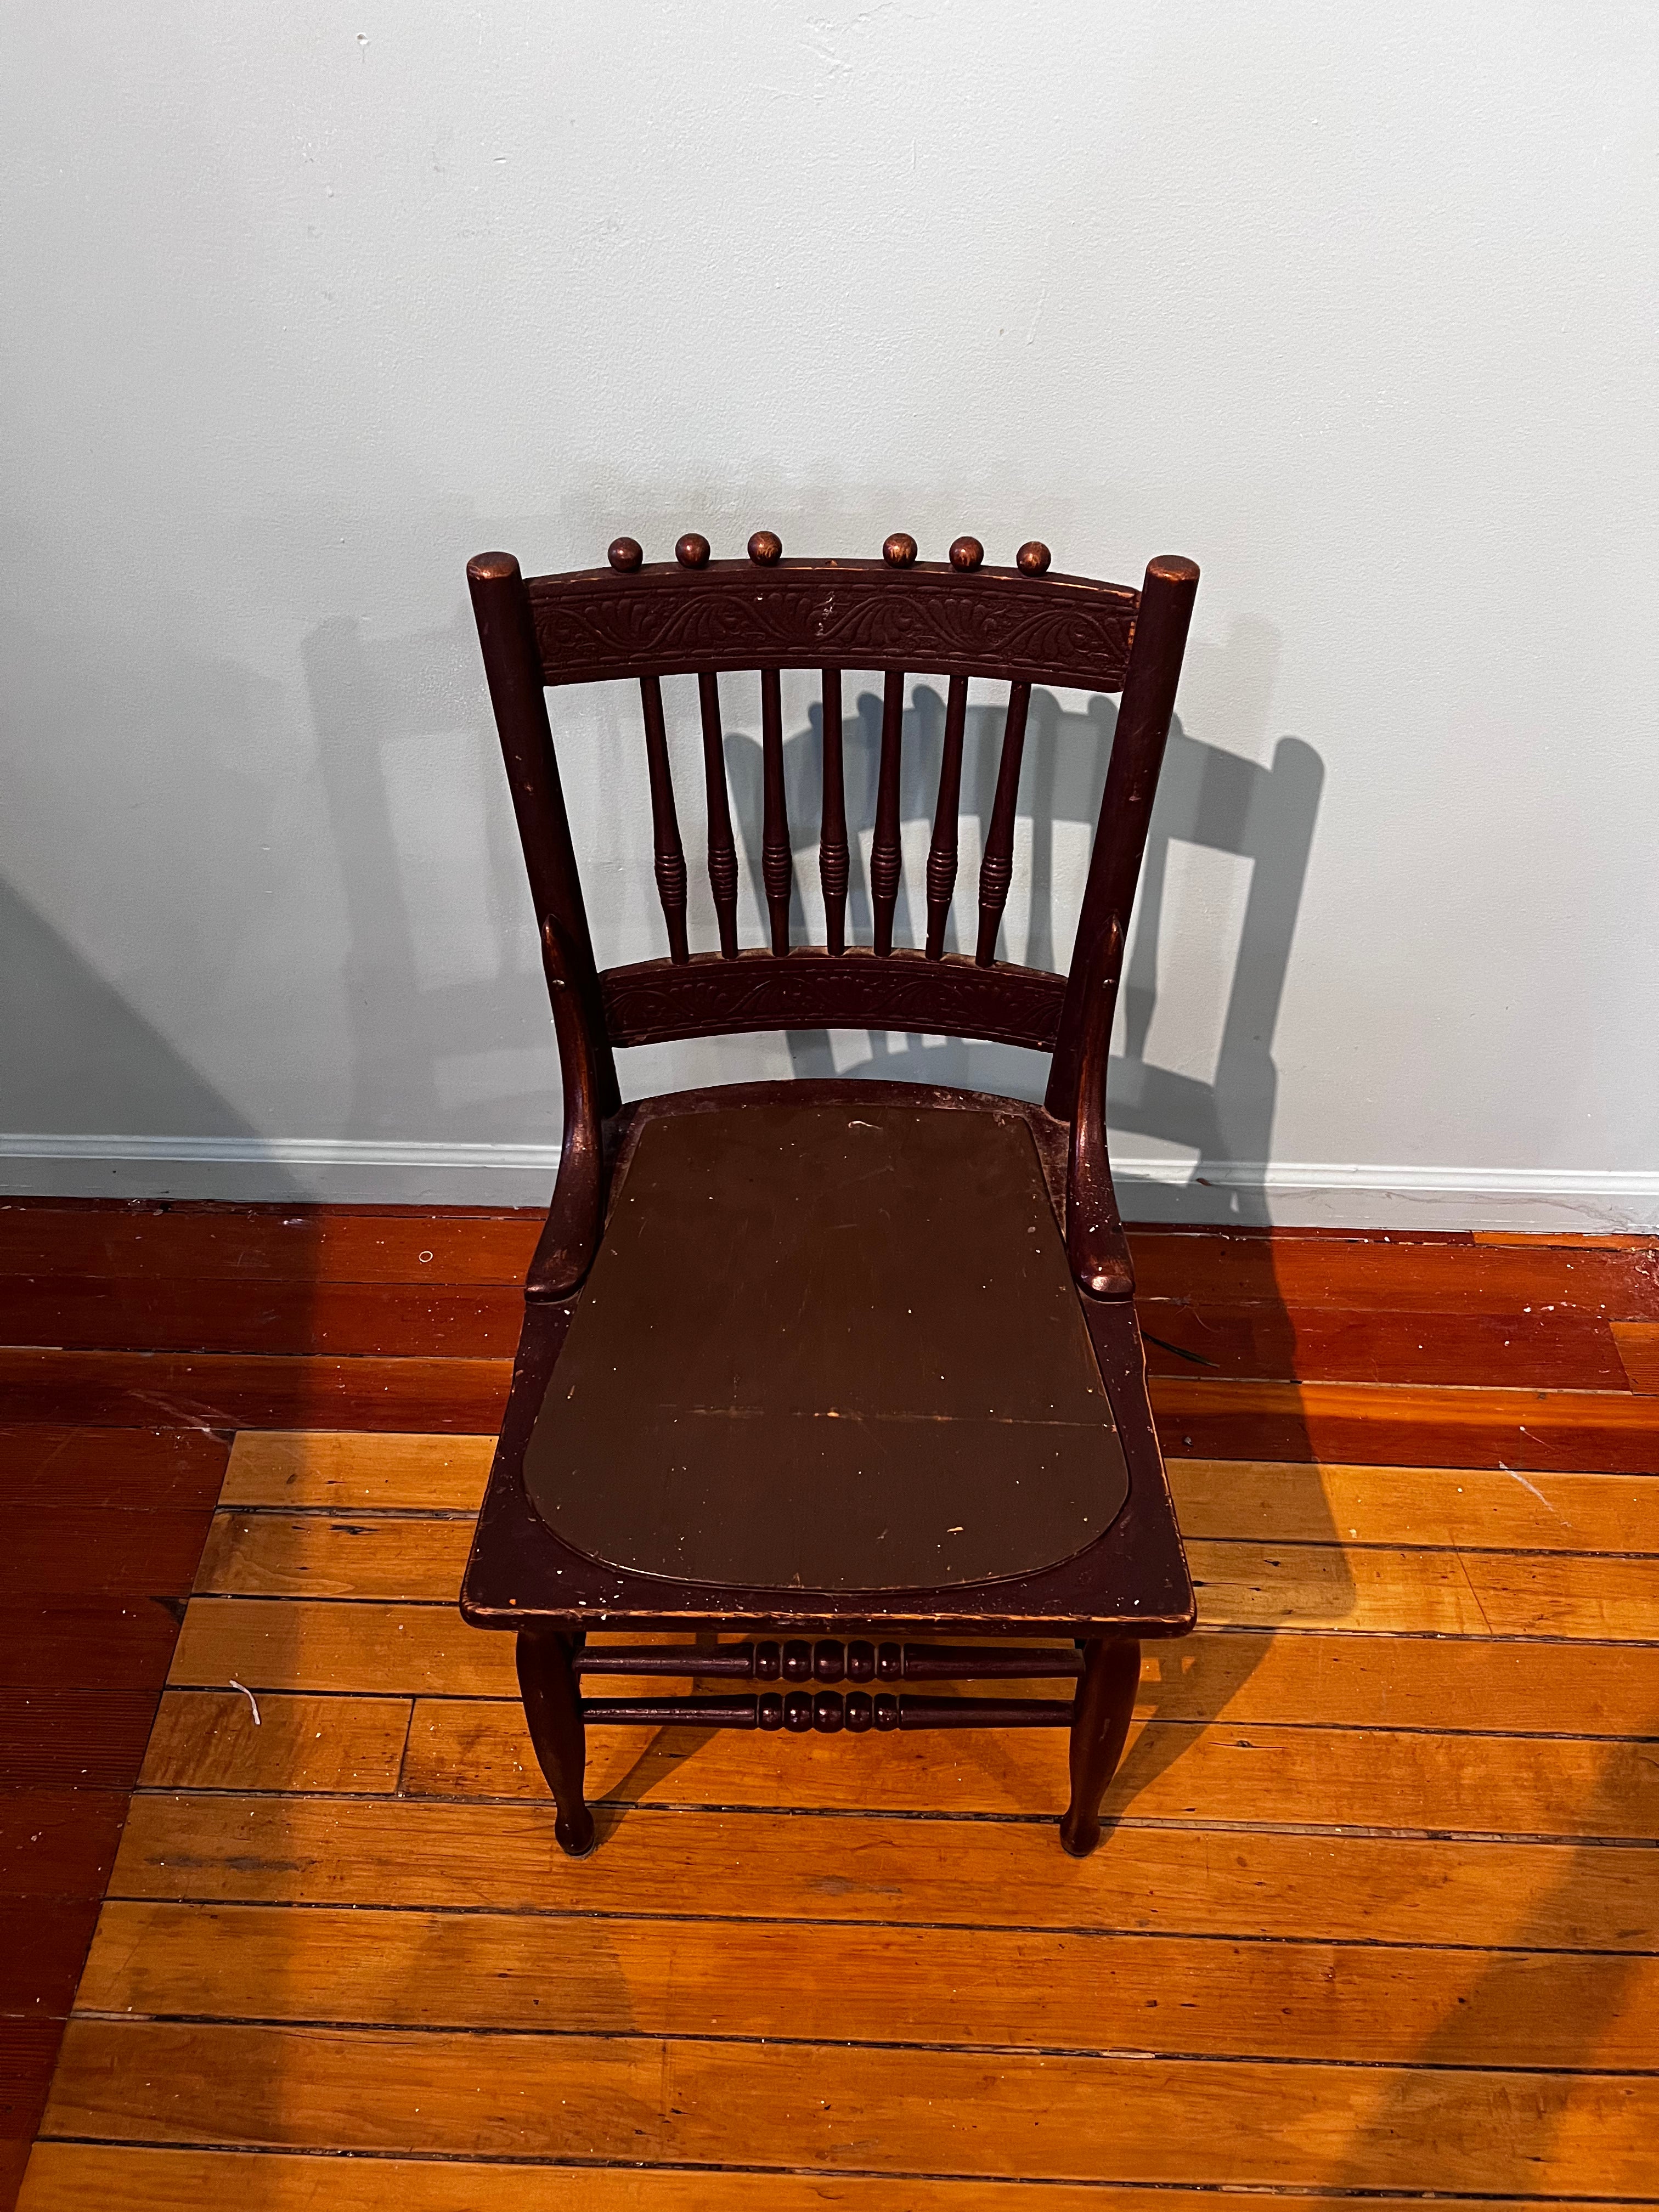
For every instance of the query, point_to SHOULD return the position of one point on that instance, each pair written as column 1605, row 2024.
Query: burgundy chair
column 846, row 1372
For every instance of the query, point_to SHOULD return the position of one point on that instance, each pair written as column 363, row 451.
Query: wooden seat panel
column 830, row 1347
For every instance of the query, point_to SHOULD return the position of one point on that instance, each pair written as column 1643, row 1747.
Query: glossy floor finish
column 1379, row 1914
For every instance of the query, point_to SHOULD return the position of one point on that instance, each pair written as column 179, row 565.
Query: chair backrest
column 959, row 619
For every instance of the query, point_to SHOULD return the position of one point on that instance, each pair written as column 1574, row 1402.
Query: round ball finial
column 692, row 551
column 967, row 553
column 899, row 551
column 764, row 548
column 1034, row 558
column 624, row 554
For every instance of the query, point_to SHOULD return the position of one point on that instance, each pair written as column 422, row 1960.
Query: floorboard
column 1266, row 1883
column 1638, row 1345
column 214, row 1742
column 1450, row 1684
column 70, row 2177
column 841, row 2106
column 53, row 1739
column 144, row 1470
column 402, row 1320
column 955, row 1988
column 1461, row 1508
column 77, row 1643
column 1293, row 1269
column 59, row 1843
column 1398, row 1779
column 333, row 1467
column 120, row 1390
column 187, row 1244
column 1395, row 1426
column 1269, row 1342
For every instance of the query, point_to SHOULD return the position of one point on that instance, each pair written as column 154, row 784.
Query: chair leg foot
column 1100, row 1723
column 576, row 1843
column 552, row 1707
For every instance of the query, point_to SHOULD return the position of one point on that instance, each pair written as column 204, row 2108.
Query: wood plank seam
column 457, row 2185
column 1040, row 1822
column 204, row 1690
column 1090, row 1930
column 395, row 1517
column 1172, row 2053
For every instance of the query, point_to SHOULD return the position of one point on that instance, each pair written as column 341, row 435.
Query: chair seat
column 832, row 1346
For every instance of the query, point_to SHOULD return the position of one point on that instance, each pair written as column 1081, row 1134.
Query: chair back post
column 1126, row 806
column 512, row 665
column 1095, row 1243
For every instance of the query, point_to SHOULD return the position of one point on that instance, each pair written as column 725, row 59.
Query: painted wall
column 1356, row 307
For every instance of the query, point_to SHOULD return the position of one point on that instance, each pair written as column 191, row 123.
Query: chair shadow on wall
column 72, row 1036
column 1209, row 797
column 450, row 1034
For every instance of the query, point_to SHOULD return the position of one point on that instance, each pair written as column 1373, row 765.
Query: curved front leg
column 552, row 1706
column 1104, row 1706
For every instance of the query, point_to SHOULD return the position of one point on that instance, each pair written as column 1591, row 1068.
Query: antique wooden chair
column 843, row 1367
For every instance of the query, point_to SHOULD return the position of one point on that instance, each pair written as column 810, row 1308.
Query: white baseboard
column 390, row 1172
column 350, row 1170
column 1334, row 1194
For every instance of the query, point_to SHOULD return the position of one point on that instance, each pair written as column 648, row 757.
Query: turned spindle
column 722, row 851
column 777, row 868
column 997, row 869
column 833, row 866
column 797, row 1663
column 884, row 855
column 668, row 855
column 942, row 853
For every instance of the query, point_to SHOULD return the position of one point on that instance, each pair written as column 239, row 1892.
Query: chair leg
column 547, row 1682
column 1100, row 1723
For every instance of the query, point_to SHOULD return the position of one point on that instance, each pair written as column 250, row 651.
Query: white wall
column 306, row 305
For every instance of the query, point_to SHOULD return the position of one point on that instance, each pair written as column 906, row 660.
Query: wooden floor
column 1379, row 1915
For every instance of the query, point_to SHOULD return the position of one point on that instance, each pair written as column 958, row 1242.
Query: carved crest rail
column 600, row 623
